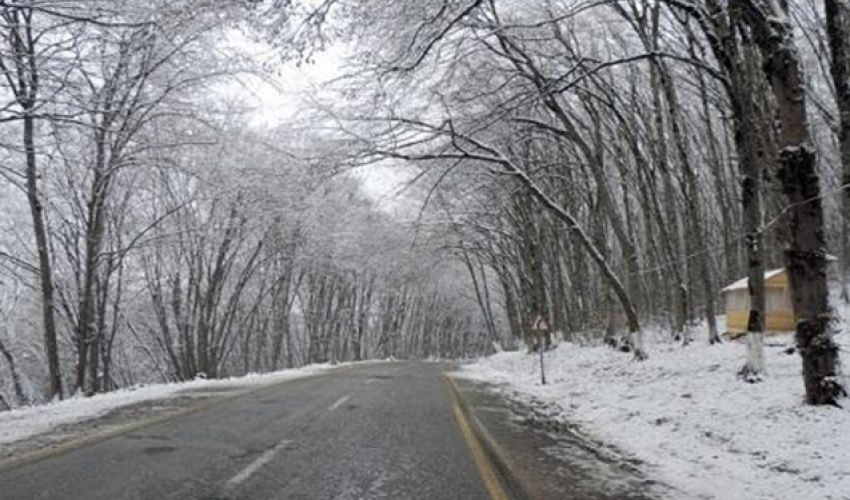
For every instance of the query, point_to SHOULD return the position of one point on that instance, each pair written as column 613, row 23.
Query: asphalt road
column 376, row 431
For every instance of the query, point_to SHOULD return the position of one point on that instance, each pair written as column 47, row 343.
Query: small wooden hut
column 779, row 312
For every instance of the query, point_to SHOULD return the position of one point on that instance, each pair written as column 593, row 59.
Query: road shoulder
column 130, row 416
column 541, row 457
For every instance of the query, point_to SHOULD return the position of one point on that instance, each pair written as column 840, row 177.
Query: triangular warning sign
column 540, row 325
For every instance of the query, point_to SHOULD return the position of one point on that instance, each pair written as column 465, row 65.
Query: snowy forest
column 608, row 165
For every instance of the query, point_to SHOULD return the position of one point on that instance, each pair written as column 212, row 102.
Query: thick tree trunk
column 806, row 255
column 807, row 272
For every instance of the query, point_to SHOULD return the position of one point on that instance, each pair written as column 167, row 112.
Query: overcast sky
column 278, row 100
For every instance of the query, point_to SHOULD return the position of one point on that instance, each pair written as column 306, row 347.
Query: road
column 399, row 431
column 373, row 431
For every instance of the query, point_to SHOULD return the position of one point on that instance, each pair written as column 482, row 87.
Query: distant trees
column 7, row 305
column 165, row 237
column 646, row 130
column 606, row 166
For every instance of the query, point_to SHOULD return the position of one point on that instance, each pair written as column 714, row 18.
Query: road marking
column 84, row 440
column 257, row 464
column 484, row 465
column 339, row 403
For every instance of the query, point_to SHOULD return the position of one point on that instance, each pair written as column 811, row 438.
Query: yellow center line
column 484, row 465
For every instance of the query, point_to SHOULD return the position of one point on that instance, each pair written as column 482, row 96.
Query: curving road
column 396, row 431
column 376, row 431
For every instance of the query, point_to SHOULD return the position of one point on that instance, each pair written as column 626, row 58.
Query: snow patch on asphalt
column 24, row 423
column 686, row 415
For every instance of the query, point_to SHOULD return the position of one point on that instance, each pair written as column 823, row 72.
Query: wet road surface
column 396, row 431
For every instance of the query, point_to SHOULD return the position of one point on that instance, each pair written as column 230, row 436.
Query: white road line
column 371, row 381
column 257, row 464
column 339, row 403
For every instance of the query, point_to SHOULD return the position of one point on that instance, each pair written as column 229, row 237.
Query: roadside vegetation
column 603, row 167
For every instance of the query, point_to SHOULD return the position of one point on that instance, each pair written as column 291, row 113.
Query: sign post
column 541, row 328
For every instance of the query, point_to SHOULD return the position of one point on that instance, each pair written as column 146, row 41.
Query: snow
column 27, row 422
column 743, row 283
column 686, row 415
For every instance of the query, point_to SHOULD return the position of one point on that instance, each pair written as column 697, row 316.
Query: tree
column 21, row 66
column 837, row 19
column 806, row 255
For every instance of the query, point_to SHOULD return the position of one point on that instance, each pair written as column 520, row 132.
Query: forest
column 608, row 165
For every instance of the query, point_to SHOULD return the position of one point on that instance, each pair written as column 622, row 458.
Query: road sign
column 541, row 325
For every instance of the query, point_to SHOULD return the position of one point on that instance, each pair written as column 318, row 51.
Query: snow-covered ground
column 24, row 423
column 686, row 415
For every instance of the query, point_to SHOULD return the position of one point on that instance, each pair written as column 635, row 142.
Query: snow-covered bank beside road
column 24, row 423
column 687, row 416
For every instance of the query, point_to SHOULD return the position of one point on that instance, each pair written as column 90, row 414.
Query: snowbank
column 23, row 423
column 686, row 415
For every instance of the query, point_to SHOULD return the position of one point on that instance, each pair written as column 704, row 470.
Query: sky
column 279, row 98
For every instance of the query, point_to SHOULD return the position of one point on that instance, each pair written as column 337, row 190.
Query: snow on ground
column 24, row 423
column 686, row 415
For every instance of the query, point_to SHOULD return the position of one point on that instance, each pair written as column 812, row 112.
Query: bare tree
column 837, row 19
column 807, row 258
column 21, row 66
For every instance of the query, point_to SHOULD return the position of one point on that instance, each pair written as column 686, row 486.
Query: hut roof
column 742, row 284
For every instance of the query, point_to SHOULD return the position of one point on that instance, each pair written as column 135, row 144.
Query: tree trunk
column 88, row 333
column 752, row 202
column 16, row 376
column 608, row 274
column 806, row 255
column 719, row 184
column 45, row 268
column 837, row 18
column 479, row 296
